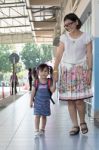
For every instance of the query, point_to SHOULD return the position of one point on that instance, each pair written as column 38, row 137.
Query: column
column 95, row 33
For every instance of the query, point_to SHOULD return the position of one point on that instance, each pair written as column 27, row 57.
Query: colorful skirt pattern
column 72, row 82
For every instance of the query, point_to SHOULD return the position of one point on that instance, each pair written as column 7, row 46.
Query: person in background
column 74, row 54
column 40, row 99
column 35, row 76
column 30, row 78
column 13, row 80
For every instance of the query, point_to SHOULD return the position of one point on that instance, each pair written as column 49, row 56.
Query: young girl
column 41, row 103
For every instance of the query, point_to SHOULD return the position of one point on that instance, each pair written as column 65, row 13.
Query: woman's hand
column 89, row 77
column 55, row 76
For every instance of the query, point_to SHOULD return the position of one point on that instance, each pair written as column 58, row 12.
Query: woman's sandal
column 84, row 128
column 75, row 130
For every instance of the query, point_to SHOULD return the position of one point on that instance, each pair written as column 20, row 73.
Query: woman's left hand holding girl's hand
column 89, row 76
column 55, row 75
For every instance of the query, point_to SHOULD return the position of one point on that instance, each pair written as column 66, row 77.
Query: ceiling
column 27, row 20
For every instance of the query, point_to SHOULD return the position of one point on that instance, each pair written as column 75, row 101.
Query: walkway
column 16, row 129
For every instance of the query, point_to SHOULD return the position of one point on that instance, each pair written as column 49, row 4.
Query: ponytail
column 35, row 73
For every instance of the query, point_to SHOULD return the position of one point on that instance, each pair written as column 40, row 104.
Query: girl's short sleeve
column 62, row 38
column 89, row 38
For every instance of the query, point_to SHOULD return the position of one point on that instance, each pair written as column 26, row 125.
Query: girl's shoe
column 84, row 127
column 36, row 133
column 75, row 130
column 42, row 131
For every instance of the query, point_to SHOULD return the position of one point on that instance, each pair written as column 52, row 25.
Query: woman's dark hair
column 73, row 17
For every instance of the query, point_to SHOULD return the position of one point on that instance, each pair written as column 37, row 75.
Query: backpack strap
column 36, row 82
column 49, row 84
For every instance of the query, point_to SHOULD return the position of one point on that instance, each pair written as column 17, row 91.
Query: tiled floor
column 17, row 129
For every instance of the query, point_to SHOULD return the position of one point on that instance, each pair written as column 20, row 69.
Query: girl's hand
column 31, row 104
column 89, row 77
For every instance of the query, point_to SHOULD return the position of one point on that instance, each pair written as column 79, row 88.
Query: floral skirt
column 72, row 82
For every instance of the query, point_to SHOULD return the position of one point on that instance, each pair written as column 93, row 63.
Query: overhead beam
column 49, row 37
column 30, row 17
column 43, row 15
column 16, row 38
column 37, row 30
column 43, row 24
column 44, row 8
column 14, row 26
column 42, row 33
column 13, row 17
column 21, row 5
column 15, row 3
column 43, row 21
column 8, row 16
column 36, row 10
column 45, row 2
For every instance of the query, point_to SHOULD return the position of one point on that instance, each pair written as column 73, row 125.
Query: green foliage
column 46, row 53
column 29, row 55
column 19, row 67
column 32, row 55
column 5, row 64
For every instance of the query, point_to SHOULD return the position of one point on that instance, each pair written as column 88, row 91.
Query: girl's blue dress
column 42, row 100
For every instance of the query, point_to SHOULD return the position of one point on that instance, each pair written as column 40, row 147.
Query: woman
column 75, row 54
